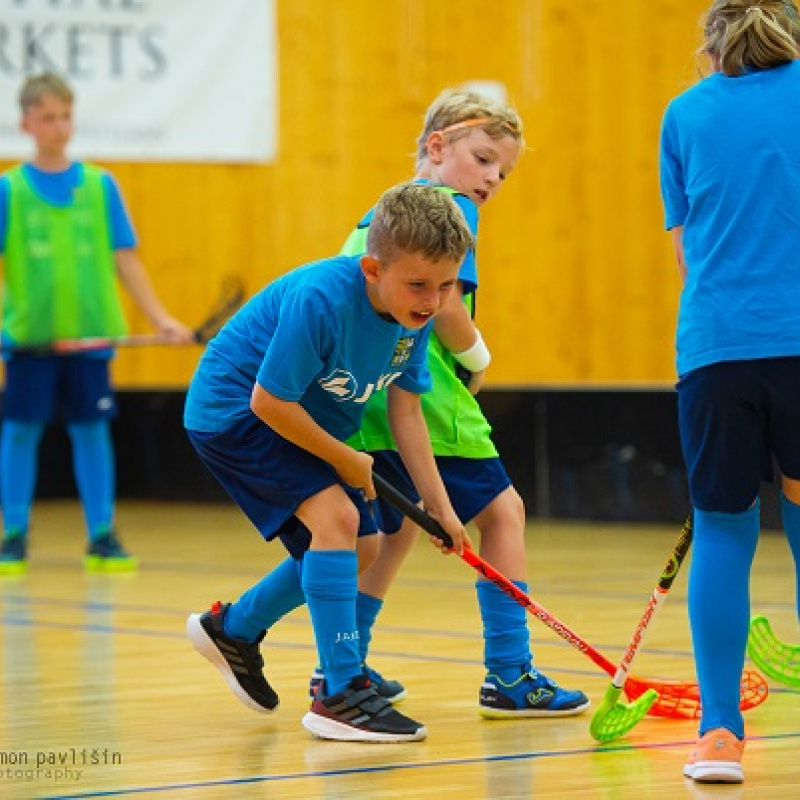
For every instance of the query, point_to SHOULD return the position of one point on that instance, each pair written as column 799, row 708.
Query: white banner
column 154, row 80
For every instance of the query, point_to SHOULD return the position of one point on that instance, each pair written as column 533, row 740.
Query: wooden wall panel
column 578, row 281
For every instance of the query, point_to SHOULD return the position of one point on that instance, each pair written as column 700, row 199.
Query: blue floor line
column 294, row 776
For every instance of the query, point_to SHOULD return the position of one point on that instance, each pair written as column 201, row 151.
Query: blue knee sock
column 330, row 583
column 93, row 462
column 19, row 449
column 367, row 610
column 791, row 524
column 719, row 611
column 261, row 606
column 507, row 651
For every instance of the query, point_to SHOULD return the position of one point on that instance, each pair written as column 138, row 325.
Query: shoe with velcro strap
column 359, row 714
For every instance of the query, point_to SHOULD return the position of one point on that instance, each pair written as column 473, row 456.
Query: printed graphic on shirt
column 402, row 352
column 343, row 386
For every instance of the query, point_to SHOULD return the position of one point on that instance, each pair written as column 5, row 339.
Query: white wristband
column 476, row 358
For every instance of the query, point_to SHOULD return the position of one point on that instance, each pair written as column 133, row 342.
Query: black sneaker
column 390, row 690
column 240, row 662
column 106, row 554
column 359, row 714
column 13, row 553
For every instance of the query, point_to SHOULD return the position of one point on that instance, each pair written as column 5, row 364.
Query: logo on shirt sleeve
column 403, row 350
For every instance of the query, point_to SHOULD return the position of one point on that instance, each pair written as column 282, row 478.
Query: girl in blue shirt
column 730, row 179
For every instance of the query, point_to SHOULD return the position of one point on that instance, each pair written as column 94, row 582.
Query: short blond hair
column 37, row 87
column 418, row 218
column 462, row 105
column 751, row 34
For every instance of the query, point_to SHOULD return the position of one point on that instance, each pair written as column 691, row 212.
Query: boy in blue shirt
column 274, row 398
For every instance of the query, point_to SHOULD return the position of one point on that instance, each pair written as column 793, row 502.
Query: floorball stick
column 232, row 295
column 676, row 699
column 777, row 659
column 613, row 718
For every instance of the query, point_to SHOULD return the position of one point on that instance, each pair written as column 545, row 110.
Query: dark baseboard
column 608, row 455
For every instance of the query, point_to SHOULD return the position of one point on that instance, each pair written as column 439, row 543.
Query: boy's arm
column 413, row 444
column 134, row 278
column 457, row 332
column 291, row 421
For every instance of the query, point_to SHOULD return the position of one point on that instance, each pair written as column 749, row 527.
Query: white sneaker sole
column 715, row 772
column 206, row 647
column 326, row 728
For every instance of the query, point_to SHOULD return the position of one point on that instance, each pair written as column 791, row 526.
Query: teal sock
column 507, row 651
column 791, row 524
column 19, row 449
column 367, row 609
column 719, row 611
column 261, row 606
column 330, row 583
column 93, row 462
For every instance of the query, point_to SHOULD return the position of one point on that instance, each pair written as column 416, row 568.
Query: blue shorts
column 75, row 388
column 270, row 478
column 735, row 417
column 471, row 483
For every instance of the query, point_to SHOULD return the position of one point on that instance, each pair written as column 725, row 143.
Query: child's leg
column 378, row 577
column 93, row 462
column 719, row 611
column 375, row 581
column 512, row 688
column 505, row 626
column 791, row 524
column 330, row 584
column 261, row 606
column 19, row 447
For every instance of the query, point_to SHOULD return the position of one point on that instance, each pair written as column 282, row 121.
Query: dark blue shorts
column 471, row 483
column 75, row 388
column 735, row 417
column 269, row 478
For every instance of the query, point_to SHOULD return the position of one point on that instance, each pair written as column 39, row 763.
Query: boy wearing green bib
column 469, row 144
column 65, row 239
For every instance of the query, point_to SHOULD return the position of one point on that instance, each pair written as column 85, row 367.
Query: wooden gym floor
column 101, row 695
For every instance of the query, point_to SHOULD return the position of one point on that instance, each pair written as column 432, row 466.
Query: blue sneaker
column 530, row 695
column 13, row 553
column 393, row 691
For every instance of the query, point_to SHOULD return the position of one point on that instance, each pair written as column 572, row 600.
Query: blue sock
column 791, row 524
column 261, row 606
column 19, row 451
column 507, row 652
column 719, row 611
column 367, row 609
column 93, row 462
column 330, row 583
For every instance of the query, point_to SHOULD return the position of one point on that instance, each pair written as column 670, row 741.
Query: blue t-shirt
column 310, row 337
column 56, row 188
column 730, row 175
